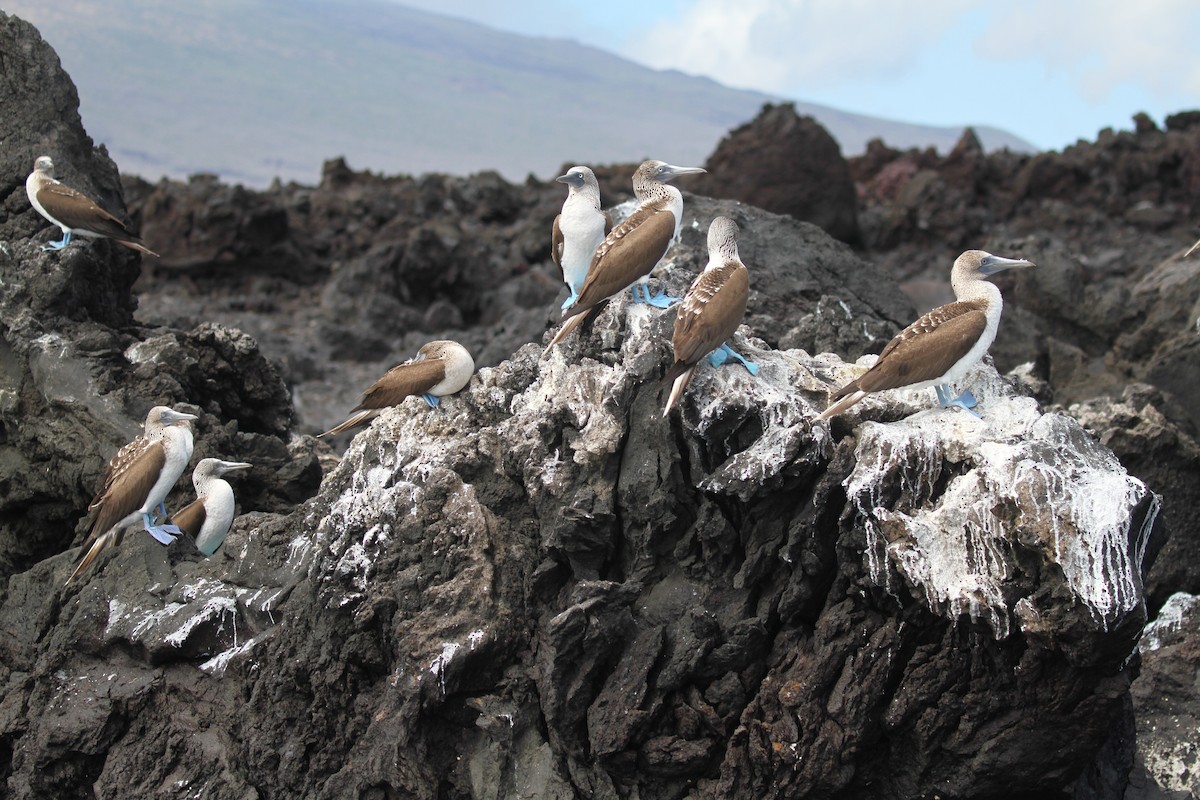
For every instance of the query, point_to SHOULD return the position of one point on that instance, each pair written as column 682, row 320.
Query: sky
column 1050, row 71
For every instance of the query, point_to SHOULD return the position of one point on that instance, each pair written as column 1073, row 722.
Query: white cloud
column 788, row 45
column 795, row 46
column 1103, row 44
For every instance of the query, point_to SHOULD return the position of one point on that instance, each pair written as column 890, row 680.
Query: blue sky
column 1049, row 71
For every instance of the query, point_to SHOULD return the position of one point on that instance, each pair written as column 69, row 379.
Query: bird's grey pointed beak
column 172, row 415
column 230, row 466
column 674, row 171
column 564, row 178
column 990, row 265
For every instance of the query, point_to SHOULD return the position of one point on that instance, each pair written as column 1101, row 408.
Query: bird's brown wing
column 710, row 312
column 924, row 350
column 405, row 380
column 127, row 488
column 118, row 464
column 629, row 252
column 76, row 210
column 556, row 244
column 190, row 518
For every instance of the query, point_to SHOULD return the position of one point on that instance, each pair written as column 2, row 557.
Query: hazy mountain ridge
column 252, row 91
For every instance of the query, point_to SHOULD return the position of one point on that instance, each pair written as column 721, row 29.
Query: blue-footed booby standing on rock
column 74, row 212
column 136, row 483
column 633, row 249
column 440, row 368
column 207, row 518
column 944, row 344
column 579, row 229
column 711, row 311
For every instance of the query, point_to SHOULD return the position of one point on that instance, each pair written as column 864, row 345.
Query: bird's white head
column 162, row 416
column 578, row 177
column 45, row 165
column 723, row 240
column 661, row 172
column 215, row 468
column 974, row 266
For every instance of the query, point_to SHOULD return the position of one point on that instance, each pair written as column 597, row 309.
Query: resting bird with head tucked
column 440, row 368
column 628, row 254
column 944, row 344
column 136, row 483
column 711, row 311
column 74, row 212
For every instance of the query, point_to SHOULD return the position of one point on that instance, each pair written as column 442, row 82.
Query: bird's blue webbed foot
column 163, row 534
column 722, row 355
column 66, row 240
column 661, row 300
column 432, row 399
column 966, row 401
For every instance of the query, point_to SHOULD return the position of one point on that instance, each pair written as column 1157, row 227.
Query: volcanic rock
column 1168, row 761
column 782, row 162
column 371, row 268
column 870, row 596
column 543, row 588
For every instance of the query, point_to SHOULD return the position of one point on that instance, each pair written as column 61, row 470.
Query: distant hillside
column 264, row 88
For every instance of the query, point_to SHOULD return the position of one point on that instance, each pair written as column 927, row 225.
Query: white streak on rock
column 978, row 489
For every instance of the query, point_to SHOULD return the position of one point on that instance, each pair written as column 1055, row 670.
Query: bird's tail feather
column 681, row 380
column 355, row 419
column 137, row 245
column 568, row 326
column 92, row 552
column 843, row 404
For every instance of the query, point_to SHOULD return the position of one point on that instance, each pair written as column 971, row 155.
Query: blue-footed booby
column 711, row 311
column 633, row 249
column 74, row 212
column 136, row 483
column 579, row 229
column 207, row 518
column 440, row 368
column 944, row 344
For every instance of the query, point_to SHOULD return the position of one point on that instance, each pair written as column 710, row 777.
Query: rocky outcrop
column 1107, row 320
column 544, row 588
column 42, row 117
column 365, row 269
column 1168, row 760
column 788, row 164
column 77, row 373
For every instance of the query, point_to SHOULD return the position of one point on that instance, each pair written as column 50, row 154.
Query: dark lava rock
column 440, row 257
column 1165, row 697
column 77, row 374
column 782, row 162
column 734, row 601
column 544, row 588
